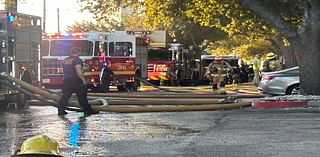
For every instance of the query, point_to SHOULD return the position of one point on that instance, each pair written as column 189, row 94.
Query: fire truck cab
column 172, row 66
column 118, row 53
column 20, row 37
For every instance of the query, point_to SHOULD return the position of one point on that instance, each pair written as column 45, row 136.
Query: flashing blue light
column 10, row 18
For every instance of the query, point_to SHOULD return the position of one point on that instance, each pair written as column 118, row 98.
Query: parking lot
column 239, row 132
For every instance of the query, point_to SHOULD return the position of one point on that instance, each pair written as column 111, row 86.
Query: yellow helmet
column 39, row 145
column 271, row 55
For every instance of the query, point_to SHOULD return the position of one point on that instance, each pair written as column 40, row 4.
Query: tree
column 304, row 39
column 154, row 17
column 296, row 20
column 270, row 20
column 133, row 21
column 87, row 26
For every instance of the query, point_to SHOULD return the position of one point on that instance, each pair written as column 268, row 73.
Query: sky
column 69, row 12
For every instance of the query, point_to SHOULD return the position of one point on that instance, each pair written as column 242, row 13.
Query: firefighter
column 74, row 82
column 217, row 71
column 178, row 67
column 271, row 63
column 256, row 66
column 137, row 75
column 106, row 76
column 195, row 72
column 38, row 146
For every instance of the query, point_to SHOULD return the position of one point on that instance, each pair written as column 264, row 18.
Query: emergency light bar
column 62, row 35
column 77, row 35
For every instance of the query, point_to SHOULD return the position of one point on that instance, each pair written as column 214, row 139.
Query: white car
column 283, row 82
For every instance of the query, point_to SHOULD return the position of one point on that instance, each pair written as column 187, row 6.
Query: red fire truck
column 123, row 53
column 171, row 65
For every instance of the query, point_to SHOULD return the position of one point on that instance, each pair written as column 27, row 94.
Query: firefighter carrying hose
column 217, row 71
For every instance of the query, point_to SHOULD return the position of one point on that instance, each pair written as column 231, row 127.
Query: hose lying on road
column 105, row 106
column 171, row 108
column 171, row 95
column 40, row 98
column 150, row 84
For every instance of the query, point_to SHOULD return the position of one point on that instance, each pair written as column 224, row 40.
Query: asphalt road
column 242, row 132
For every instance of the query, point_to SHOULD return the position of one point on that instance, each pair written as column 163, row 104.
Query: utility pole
column 58, row 12
column 44, row 16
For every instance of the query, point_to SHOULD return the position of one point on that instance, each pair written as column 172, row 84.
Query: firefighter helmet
column 271, row 55
column 39, row 145
column 218, row 59
column 258, row 56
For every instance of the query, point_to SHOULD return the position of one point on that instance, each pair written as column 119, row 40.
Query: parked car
column 283, row 82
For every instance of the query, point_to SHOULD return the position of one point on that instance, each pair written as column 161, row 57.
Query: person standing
column 74, row 82
column 256, row 66
column 217, row 71
column 105, row 76
column 195, row 72
column 271, row 63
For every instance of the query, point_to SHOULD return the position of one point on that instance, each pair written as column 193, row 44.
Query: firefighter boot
column 214, row 87
column 222, row 91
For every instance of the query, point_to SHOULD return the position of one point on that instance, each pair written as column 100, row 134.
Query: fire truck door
column 142, row 59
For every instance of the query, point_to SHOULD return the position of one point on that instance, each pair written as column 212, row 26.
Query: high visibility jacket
column 271, row 65
column 256, row 64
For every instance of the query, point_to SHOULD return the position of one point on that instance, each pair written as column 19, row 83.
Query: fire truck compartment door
column 142, row 60
column 23, row 46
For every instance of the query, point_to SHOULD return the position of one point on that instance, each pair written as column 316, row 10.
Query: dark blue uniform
column 73, row 84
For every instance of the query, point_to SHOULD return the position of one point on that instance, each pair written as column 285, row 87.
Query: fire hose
column 104, row 105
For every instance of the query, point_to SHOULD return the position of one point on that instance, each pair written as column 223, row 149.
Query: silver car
column 283, row 82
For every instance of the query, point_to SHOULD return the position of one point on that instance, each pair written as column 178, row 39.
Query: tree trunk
column 305, row 41
column 307, row 46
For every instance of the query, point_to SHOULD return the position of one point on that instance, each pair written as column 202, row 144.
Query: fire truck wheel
column 22, row 100
column 133, row 87
column 122, row 88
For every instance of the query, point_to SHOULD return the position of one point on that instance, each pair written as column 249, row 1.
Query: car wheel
column 294, row 89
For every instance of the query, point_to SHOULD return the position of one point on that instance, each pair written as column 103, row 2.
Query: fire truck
column 172, row 65
column 123, row 53
column 20, row 37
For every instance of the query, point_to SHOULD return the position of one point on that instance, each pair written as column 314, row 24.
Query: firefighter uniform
column 217, row 71
column 177, row 72
column 106, row 76
column 271, row 63
column 256, row 66
column 73, row 84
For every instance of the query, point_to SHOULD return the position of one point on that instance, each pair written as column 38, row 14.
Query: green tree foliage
column 251, row 25
column 87, row 26
column 156, row 15
column 133, row 21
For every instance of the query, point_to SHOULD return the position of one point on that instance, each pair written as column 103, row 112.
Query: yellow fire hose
column 162, row 102
column 171, row 108
column 212, row 103
column 171, row 95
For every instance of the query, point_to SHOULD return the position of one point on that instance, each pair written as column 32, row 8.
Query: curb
column 279, row 104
